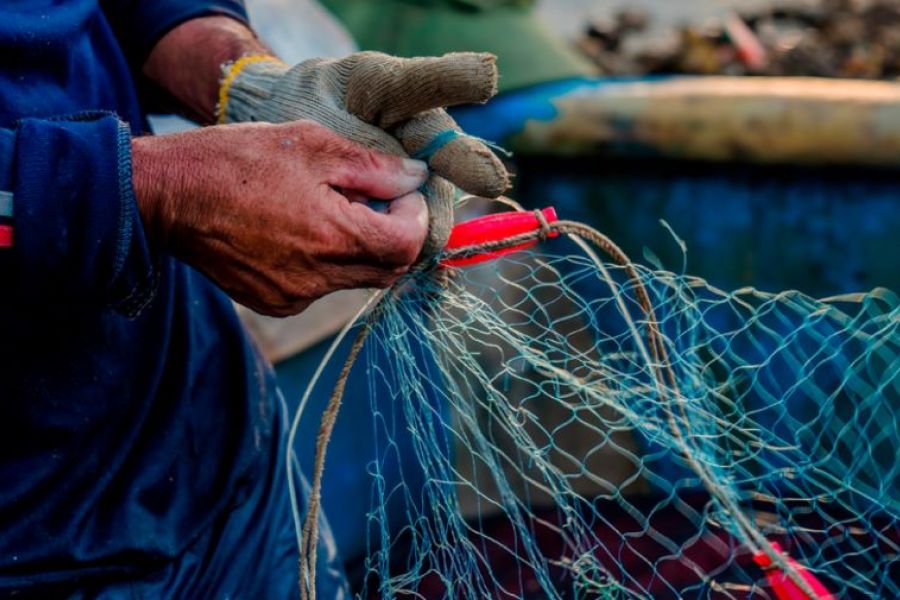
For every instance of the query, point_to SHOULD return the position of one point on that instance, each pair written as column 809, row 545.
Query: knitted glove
column 391, row 104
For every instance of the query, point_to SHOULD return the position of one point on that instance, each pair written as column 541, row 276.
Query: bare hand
column 272, row 213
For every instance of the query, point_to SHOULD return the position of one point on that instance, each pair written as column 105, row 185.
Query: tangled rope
column 657, row 357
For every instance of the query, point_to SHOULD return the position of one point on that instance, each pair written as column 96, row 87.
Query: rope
column 662, row 369
column 310, row 539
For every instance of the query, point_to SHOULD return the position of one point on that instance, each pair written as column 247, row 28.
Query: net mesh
column 588, row 429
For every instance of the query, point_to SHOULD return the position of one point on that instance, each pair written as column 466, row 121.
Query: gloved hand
column 390, row 104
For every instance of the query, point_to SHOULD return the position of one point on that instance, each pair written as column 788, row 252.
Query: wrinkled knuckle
column 361, row 234
column 363, row 160
column 340, row 148
column 362, row 168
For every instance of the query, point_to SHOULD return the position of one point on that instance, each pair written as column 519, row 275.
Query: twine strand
column 661, row 367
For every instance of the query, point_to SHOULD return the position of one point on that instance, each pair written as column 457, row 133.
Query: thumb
column 396, row 236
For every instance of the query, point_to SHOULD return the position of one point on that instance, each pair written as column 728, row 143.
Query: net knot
column 545, row 230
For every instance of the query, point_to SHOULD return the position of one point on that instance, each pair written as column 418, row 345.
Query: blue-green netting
column 576, row 443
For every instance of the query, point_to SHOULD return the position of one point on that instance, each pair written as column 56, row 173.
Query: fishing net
column 587, row 427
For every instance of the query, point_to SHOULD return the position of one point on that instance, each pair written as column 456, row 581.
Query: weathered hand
column 269, row 212
column 395, row 105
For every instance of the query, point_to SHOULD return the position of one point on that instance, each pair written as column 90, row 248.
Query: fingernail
column 415, row 168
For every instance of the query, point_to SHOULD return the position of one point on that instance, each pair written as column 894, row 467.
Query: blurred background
column 765, row 135
column 569, row 16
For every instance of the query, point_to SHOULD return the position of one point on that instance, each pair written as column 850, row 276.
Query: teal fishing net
column 586, row 427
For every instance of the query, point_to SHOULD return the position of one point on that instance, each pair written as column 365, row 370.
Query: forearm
column 187, row 61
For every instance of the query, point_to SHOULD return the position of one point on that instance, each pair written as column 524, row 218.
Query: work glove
column 391, row 104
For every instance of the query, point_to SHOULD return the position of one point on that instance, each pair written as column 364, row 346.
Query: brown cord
column 310, row 540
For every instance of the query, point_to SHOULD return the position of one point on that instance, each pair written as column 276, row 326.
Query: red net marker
column 749, row 49
column 784, row 587
column 6, row 236
column 493, row 228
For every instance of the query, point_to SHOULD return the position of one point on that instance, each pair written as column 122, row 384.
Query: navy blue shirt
column 133, row 409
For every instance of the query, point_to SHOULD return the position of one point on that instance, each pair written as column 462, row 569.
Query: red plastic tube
column 784, row 587
column 6, row 236
column 493, row 228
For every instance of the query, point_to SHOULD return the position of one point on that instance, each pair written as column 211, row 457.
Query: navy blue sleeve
column 7, row 141
column 77, row 233
column 139, row 24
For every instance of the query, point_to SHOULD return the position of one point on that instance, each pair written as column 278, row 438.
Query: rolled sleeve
column 78, row 233
column 139, row 24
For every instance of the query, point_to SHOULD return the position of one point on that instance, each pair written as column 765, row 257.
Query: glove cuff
column 246, row 83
